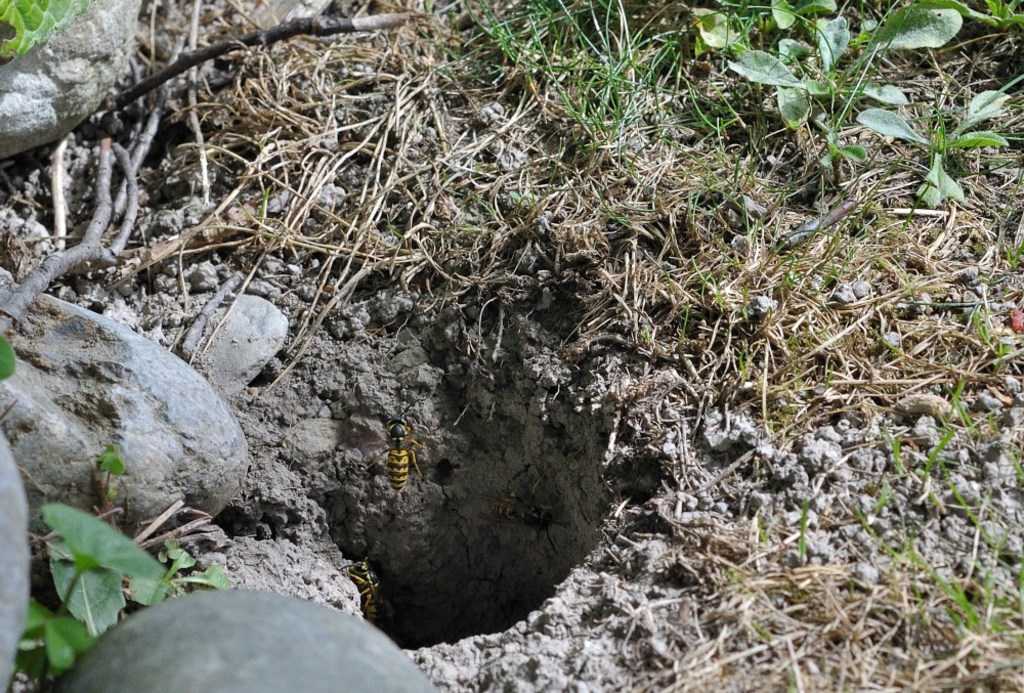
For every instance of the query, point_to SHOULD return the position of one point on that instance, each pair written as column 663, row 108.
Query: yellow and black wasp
column 369, row 588
column 401, row 452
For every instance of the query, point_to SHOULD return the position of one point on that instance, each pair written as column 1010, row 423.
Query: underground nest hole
column 510, row 499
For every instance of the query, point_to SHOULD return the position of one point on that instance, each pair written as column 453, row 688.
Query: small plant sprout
column 109, row 464
column 148, row 591
column 811, row 86
column 89, row 562
column 938, row 185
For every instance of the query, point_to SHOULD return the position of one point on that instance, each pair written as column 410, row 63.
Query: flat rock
column 14, row 566
column 84, row 382
column 255, row 330
column 45, row 93
column 243, row 642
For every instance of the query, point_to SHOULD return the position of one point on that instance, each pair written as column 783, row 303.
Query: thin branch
column 142, row 146
column 306, row 26
column 195, row 333
column 193, row 116
column 60, row 207
column 17, row 300
column 809, row 228
column 159, row 521
column 132, row 190
column 90, row 251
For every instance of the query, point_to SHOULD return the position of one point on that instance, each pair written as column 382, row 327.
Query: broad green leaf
column 816, row 7
column 6, row 359
column 890, row 124
column 929, row 195
column 59, row 651
column 34, row 21
column 956, row 5
column 91, row 540
column 95, row 599
column 715, row 28
column 149, row 591
column 790, row 51
column 919, row 27
column 794, row 106
column 180, row 558
column 65, row 638
column 854, row 152
column 833, row 38
column 111, row 461
column 984, row 106
column 979, row 138
column 938, row 186
column 817, row 89
column 37, row 615
column 764, row 68
column 74, row 633
column 783, row 14
column 887, row 94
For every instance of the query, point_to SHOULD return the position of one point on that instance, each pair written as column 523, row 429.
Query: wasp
column 369, row 588
column 514, row 508
column 401, row 452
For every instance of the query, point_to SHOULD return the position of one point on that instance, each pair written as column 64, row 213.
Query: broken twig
column 809, row 228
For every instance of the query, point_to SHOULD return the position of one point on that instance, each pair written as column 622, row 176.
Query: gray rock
column 893, row 339
column 243, row 642
column 253, row 333
column 844, row 294
column 14, row 566
column 51, row 89
column 861, row 289
column 987, row 402
column 761, row 306
column 866, row 573
column 84, row 382
column 203, row 277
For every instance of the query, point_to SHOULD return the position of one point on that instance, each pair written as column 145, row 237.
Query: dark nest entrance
column 510, row 500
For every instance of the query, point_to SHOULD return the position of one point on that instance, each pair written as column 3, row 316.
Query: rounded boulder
column 84, row 382
column 244, row 642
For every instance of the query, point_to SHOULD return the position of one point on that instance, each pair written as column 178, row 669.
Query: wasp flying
column 401, row 452
column 369, row 588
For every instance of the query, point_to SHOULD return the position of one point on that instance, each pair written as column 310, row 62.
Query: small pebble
column 761, row 306
column 844, row 294
column 861, row 289
column 987, row 402
column 893, row 339
column 866, row 573
column 203, row 277
column 924, row 404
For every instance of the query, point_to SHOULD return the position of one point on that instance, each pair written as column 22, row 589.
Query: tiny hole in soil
column 443, row 471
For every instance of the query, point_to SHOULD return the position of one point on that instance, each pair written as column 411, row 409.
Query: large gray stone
column 255, row 330
column 14, row 565
column 51, row 89
column 84, row 382
column 243, row 642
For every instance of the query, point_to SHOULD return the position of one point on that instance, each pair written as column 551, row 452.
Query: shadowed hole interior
column 510, row 500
